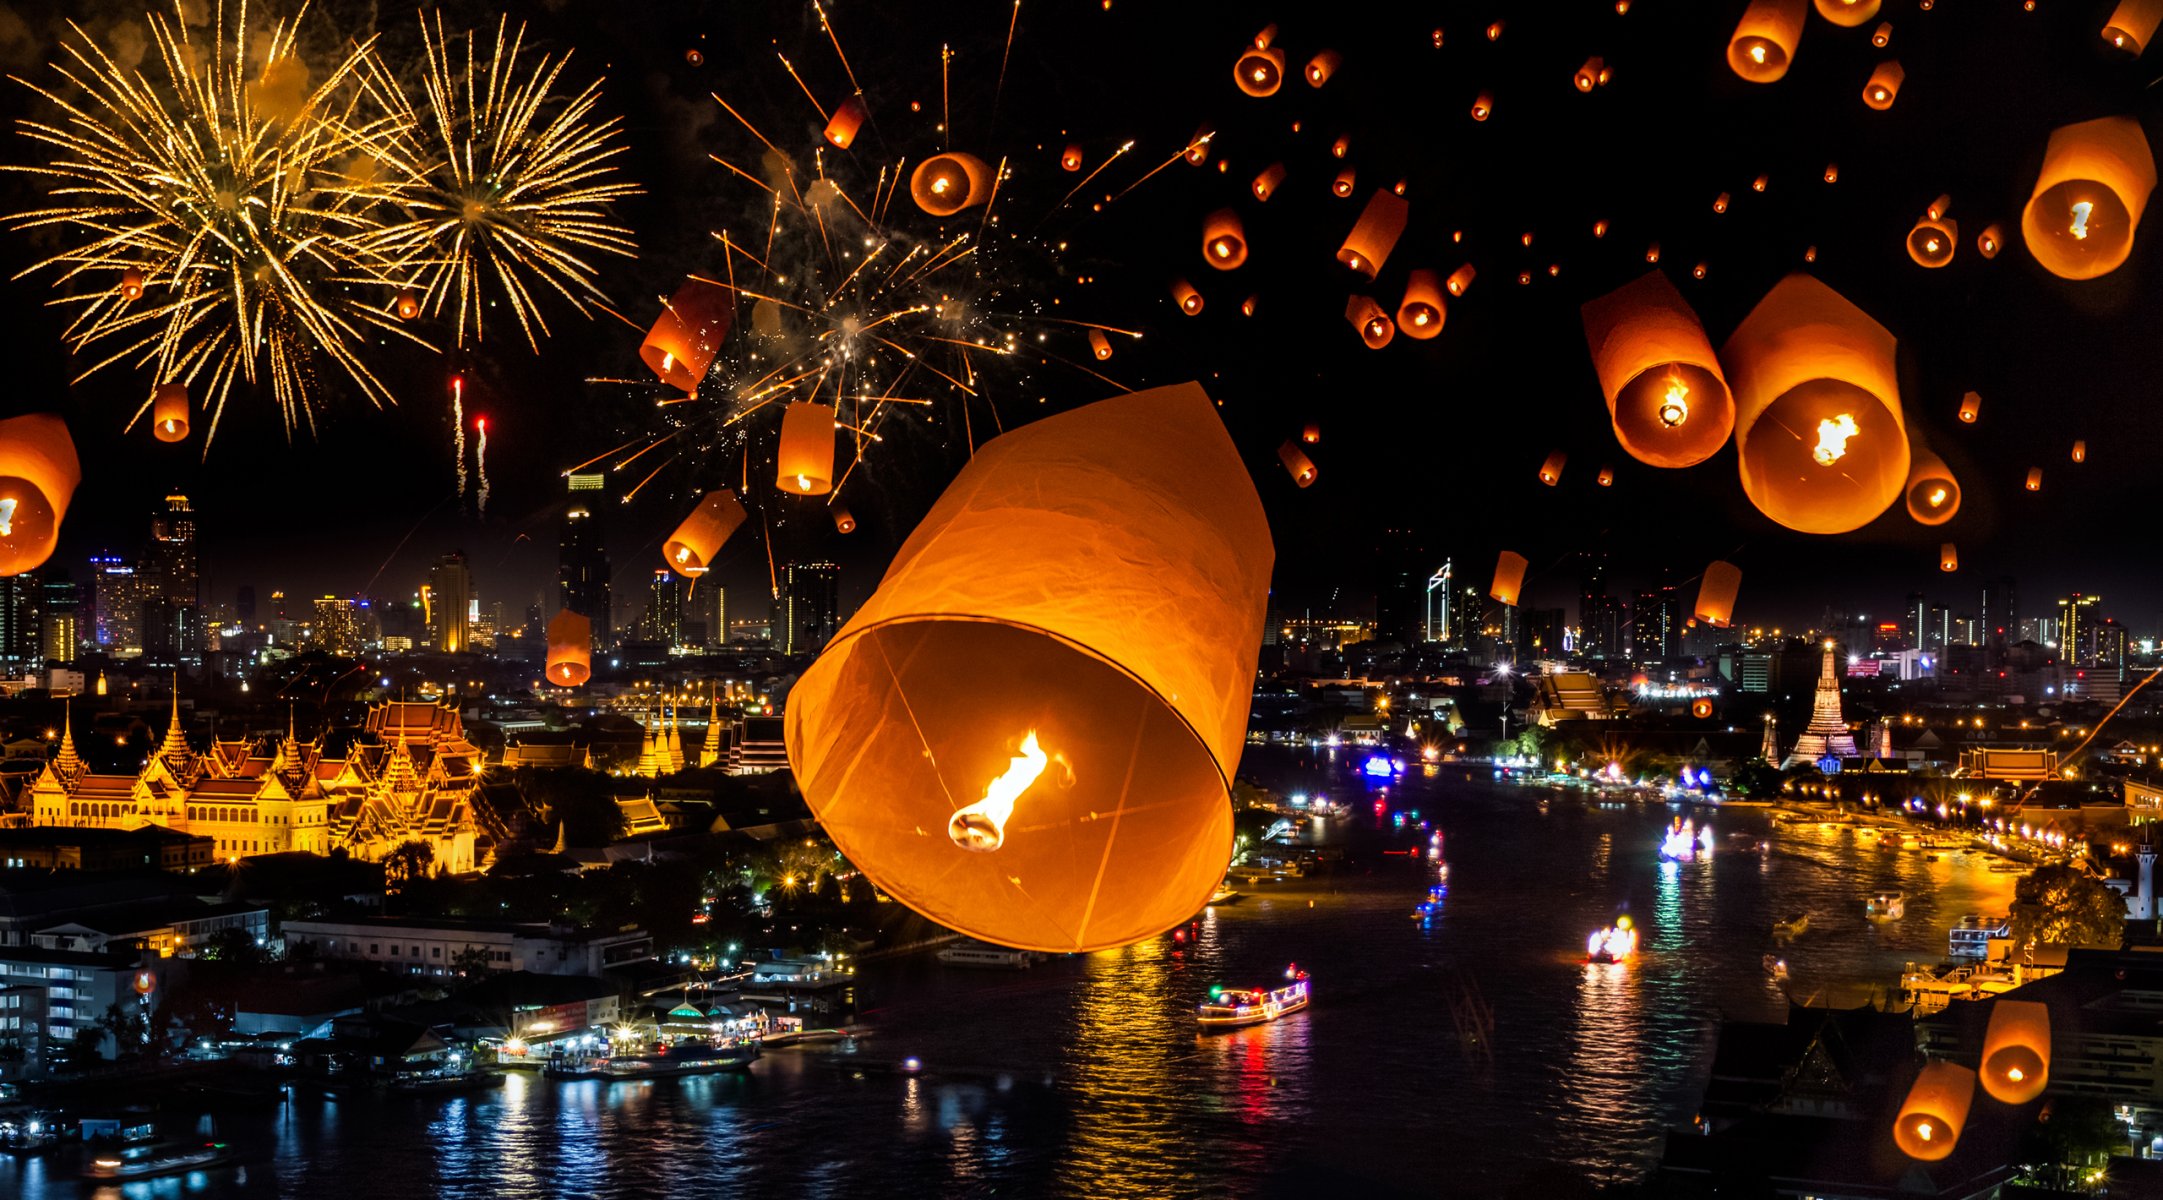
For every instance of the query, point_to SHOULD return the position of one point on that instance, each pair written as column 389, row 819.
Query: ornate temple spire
column 175, row 747
column 1827, row 734
column 675, row 737
column 712, row 752
column 68, row 763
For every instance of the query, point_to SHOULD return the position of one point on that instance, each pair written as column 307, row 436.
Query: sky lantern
column 1375, row 234
column 1716, row 593
column 1374, row 326
column 1460, row 279
column 1421, row 313
column 1588, row 76
column 1100, row 345
column 844, row 522
column 1311, row 434
column 1483, row 106
column 1948, row 557
column 169, row 412
column 1509, row 577
column 1832, row 172
column 1930, row 1119
column 1990, row 241
column 804, row 465
column 2080, row 450
column 1607, row 477
column 1764, row 41
column 1224, row 240
column 131, row 284
column 1971, row 407
column 2132, row 24
column 1933, row 495
column 1184, row 295
column 1322, row 66
column 1758, row 184
column 847, row 119
column 1551, row 467
column 1599, row 228
column 688, row 333
column 570, row 649
column 1883, row 86
column 1932, row 242
column 944, row 184
column 1652, row 253
column 407, row 304
column 690, row 550
column 38, row 474
column 1248, row 305
column 1882, row 36
column 766, row 317
column 2016, row 1050
column 1819, row 434
column 1265, row 184
column 1848, row 13
column 2088, row 198
column 1342, row 146
column 1197, row 151
column 1070, row 159
column 2035, row 479
column 1665, row 392
column 1342, row 185
column 1260, row 69
column 1297, row 464
column 1028, row 732
column 1719, row 203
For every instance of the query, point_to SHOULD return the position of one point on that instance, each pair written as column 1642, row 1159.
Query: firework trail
column 480, row 460
column 458, row 429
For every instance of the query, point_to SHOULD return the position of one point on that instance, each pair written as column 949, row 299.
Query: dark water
column 1084, row 1077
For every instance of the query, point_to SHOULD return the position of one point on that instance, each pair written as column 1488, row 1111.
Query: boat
column 1970, row 938
column 1791, row 928
column 1776, row 967
column 2008, row 868
column 1685, row 842
column 150, row 1161
column 1616, row 943
column 1226, row 895
column 1234, row 1008
column 1432, row 904
column 980, row 954
column 684, row 1058
column 1886, row 906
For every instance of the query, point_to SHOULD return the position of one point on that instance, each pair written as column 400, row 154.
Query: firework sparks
column 480, row 461
column 458, row 429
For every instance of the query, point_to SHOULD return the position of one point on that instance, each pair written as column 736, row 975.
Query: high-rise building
column 1597, row 625
column 663, row 619
column 1656, row 619
column 2077, row 621
column 581, row 560
column 117, row 599
column 21, row 643
column 1401, row 573
column 171, row 572
column 244, row 603
column 1438, row 624
column 60, row 631
column 337, row 627
column 813, row 606
column 450, row 604
column 1918, row 622
column 2001, row 617
column 2113, row 645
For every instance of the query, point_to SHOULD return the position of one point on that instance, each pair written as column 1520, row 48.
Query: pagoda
column 1827, row 735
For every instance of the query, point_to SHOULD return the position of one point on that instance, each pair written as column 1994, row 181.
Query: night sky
column 1442, row 437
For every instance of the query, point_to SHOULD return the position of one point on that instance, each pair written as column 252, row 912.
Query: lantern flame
column 2080, row 220
column 1757, row 53
column 1675, row 406
column 1922, row 1130
column 2015, row 1074
column 1937, row 497
column 1833, row 435
column 981, row 826
column 7, row 517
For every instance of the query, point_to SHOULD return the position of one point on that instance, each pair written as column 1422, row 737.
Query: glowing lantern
column 408, row 306
column 1197, row 151
column 1698, row 271
column 1421, row 313
column 1990, row 241
column 1460, row 279
column 1494, row 32
column 1342, row 185
column 1342, row 146
column 1937, row 1106
column 1810, row 254
column 1260, row 69
column 1719, row 203
column 1882, row 36
column 1248, row 305
column 2132, row 24
column 688, row 333
column 1819, row 434
column 1100, row 345
column 690, row 550
column 1948, row 557
column 1509, row 577
column 1321, row 67
column 847, row 119
column 944, row 184
column 1933, row 494
column 2080, row 450
column 1652, row 253
column 805, row 463
column 169, row 412
column 1002, row 648
column 1971, row 407
column 843, row 521
column 570, row 649
column 1764, row 41
column 1297, row 464
column 1189, row 300
column 1832, row 172
column 38, row 474
column 2035, row 479
column 1265, row 184
column 1551, row 467
column 1599, row 228
column 2088, row 198
column 1374, row 326
column 1716, row 594
column 1847, row 13
column 1375, row 234
column 1483, row 106
column 1884, row 85
column 1932, row 242
column 2016, row 1050
column 1758, row 184
column 1311, row 434
column 131, row 284
column 1224, row 240
column 1607, row 477
column 1665, row 392
column 1588, row 76
column 1070, row 159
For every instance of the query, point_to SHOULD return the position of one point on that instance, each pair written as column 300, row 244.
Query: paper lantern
column 1719, row 203
column 2133, row 24
column 2080, row 450
column 1265, row 184
column 1758, row 184
column 688, row 333
column 804, row 465
column 1588, row 76
column 1607, row 477
column 1933, row 495
column 1374, row 326
column 1931, row 1117
column 944, row 184
column 1884, row 85
column 1070, row 159
column 1460, row 279
column 1716, row 594
column 1551, row 467
column 1882, row 36
column 1184, row 295
column 1224, row 240
column 1197, row 151
column 1697, row 271
column 1832, row 172
column 1421, row 313
column 1248, row 305
column 1847, row 13
column 1099, row 345
column 1260, row 69
column 1342, row 185
column 2035, row 479
column 1990, row 241
column 1322, row 66
column 1599, row 228
column 169, row 412
column 131, row 284
column 407, row 305
column 766, row 318
column 1971, row 407
column 1948, row 557
column 38, row 474
column 847, row 119
column 1071, row 634
column 1932, row 242
column 1494, row 32
column 1665, row 394
column 1483, row 106
column 1375, row 234
column 570, row 649
column 1810, row 254
column 2088, row 198
column 1820, row 437
column 1296, row 462
column 690, row 550
column 2016, row 1050
column 1652, row 253
column 1509, row 577
column 1764, row 41
column 1342, row 146
column 1311, row 434
column 843, row 521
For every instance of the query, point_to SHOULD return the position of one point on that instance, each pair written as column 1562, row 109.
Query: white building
column 440, row 947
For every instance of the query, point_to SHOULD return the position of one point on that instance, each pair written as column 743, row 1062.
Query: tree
column 473, row 960
column 2061, row 906
column 408, row 862
column 2073, row 1136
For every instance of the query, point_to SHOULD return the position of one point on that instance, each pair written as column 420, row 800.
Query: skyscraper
column 663, row 619
column 60, row 628
column 2077, row 620
column 1439, row 627
column 581, row 562
column 813, row 606
column 20, row 643
column 171, row 579
column 450, row 604
column 1656, row 625
column 117, row 600
column 2001, row 618
column 1401, row 567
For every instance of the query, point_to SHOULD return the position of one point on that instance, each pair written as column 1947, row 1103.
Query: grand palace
column 417, row 781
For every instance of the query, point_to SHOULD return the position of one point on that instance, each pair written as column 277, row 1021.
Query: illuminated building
column 117, row 604
column 662, row 621
column 21, row 643
column 1827, row 734
column 170, row 579
column 337, row 626
column 2077, row 623
column 813, row 606
column 1600, row 617
column 581, row 563
column 1438, row 626
column 450, row 604
column 60, row 630
column 2001, row 618
column 1656, row 619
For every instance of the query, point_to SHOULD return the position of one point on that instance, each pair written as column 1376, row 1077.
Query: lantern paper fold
column 688, row 333
column 2104, row 165
column 1936, row 1108
column 1648, row 346
column 1763, row 44
column 570, row 649
column 1716, row 594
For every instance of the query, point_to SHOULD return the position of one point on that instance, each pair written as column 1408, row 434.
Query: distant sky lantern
column 1665, row 391
column 1494, row 32
column 1070, row 159
column 1374, row 326
column 1936, row 1108
column 804, row 464
column 131, row 284
column 944, row 184
column 1421, row 313
column 998, row 671
column 2080, row 450
column 1342, row 146
column 2132, row 25
column 1882, row 36
column 1483, row 106
column 1343, row 184
column 1321, row 67
column 1698, row 271
column 38, row 476
column 1297, row 464
column 1884, row 85
column 1990, row 241
column 1224, row 240
column 1460, row 280
column 1810, row 254
column 844, row 522
column 1758, row 184
column 1551, row 467
column 1933, row 495
column 1820, row 438
column 1248, row 305
column 2016, row 1050
column 1197, row 151
column 689, row 331
column 407, row 305
column 1375, row 234
column 1311, row 434
column 570, row 649
column 1652, row 253
column 1832, row 172
column 1265, row 184
column 1260, row 69
column 1599, row 228
column 691, row 549
column 1971, row 407
column 1607, row 477
column 169, row 412
column 1848, row 13
column 1588, row 76
column 1948, row 557
column 1716, row 593
column 1099, row 344
column 1764, row 41
column 1719, row 203
column 2035, row 479
column 2088, row 198
column 848, row 118
column 1936, row 236
column 1509, row 577
column 1184, row 295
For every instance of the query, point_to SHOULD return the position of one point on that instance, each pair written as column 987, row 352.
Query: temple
column 1827, row 735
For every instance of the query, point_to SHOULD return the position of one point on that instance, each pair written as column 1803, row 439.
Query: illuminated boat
column 683, row 1058
column 1791, row 928
column 1685, row 842
column 984, row 954
column 1886, row 906
column 1432, row 904
column 1234, row 1008
column 1617, row 943
column 147, row 1162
